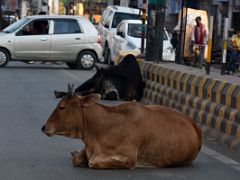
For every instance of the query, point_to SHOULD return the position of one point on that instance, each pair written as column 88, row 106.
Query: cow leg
column 79, row 158
column 112, row 162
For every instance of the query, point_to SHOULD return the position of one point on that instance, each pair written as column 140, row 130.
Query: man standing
column 235, row 50
column 199, row 37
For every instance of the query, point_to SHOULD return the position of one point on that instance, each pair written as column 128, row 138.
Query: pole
column 159, row 31
column 209, row 46
column 73, row 7
column 225, row 44
column 90, row 11
column 230, row 13
column 144, row 16
column 184, row 35
column 150, row 48
column 180, row 36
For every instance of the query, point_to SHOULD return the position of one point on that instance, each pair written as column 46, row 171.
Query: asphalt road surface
column 26, row 101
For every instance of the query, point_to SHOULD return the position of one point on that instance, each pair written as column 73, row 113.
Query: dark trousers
column 235, row 56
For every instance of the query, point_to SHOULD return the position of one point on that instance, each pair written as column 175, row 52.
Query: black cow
column 120, row 82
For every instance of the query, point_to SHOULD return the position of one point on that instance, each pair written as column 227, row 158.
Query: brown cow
column 126, row 135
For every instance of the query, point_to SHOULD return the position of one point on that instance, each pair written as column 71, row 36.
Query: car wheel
column 29, row 62
column 4, row 57
column 71, row 65
column 58, row 62
column 109, row 61
column 85, row 61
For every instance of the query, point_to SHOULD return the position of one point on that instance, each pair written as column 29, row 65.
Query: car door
column 101, row 28
column 106, row 29
column 119, row 39
column 67, row 40
column 32, row 42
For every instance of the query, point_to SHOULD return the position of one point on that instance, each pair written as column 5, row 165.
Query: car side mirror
column 119, row 33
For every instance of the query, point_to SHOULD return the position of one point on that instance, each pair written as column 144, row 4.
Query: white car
column 128, row 37
column 110, row 19
column 70, row 39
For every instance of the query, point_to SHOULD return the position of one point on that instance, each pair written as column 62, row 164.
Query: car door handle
column 43, row 39
column 78, row 38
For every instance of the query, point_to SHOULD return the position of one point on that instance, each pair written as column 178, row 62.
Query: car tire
column 58, row 62
column 106, row 54
column 71, row 65
column 85, row 61
column 4, row 57
column 109, row 61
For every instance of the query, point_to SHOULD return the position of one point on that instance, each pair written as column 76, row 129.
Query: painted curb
column 211, row 103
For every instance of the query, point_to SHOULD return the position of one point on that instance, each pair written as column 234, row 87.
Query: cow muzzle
column 48, row 133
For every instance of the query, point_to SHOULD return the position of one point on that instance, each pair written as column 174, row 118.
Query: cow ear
column 90, row 99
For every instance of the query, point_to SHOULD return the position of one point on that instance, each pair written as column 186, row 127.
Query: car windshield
column 135, row 30
column 118, row 17
column 13, row 27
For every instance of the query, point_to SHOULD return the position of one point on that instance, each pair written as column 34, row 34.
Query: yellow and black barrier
column 212, row 103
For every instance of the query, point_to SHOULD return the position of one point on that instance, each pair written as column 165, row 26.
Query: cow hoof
column 78, row 161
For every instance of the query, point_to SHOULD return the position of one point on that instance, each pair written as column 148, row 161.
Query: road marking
column 229, row 162
column 71, row 75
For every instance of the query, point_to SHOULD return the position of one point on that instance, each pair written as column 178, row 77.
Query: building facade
column 24, row 7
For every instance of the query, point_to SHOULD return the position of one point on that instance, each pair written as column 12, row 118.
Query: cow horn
column 71, row 90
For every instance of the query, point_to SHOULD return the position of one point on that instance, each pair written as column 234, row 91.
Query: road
column 26, row 101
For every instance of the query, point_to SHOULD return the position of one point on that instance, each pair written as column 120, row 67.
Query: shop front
column 89, row 8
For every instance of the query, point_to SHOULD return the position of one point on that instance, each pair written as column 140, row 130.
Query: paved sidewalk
column 215, row 73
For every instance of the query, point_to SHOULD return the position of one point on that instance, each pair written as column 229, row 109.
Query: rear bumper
column 99, row 51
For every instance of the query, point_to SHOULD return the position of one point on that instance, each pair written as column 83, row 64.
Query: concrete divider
column 212, row 103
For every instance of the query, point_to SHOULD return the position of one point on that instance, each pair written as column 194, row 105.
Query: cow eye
column 61, row 108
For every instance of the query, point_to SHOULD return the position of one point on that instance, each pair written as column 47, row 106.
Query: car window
column 135, row 30
column 108, row 19
column 66, row 26
column 118, row 17
column 13, row 27
column 121, row 27
column 36, row 27
column 104, row 16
